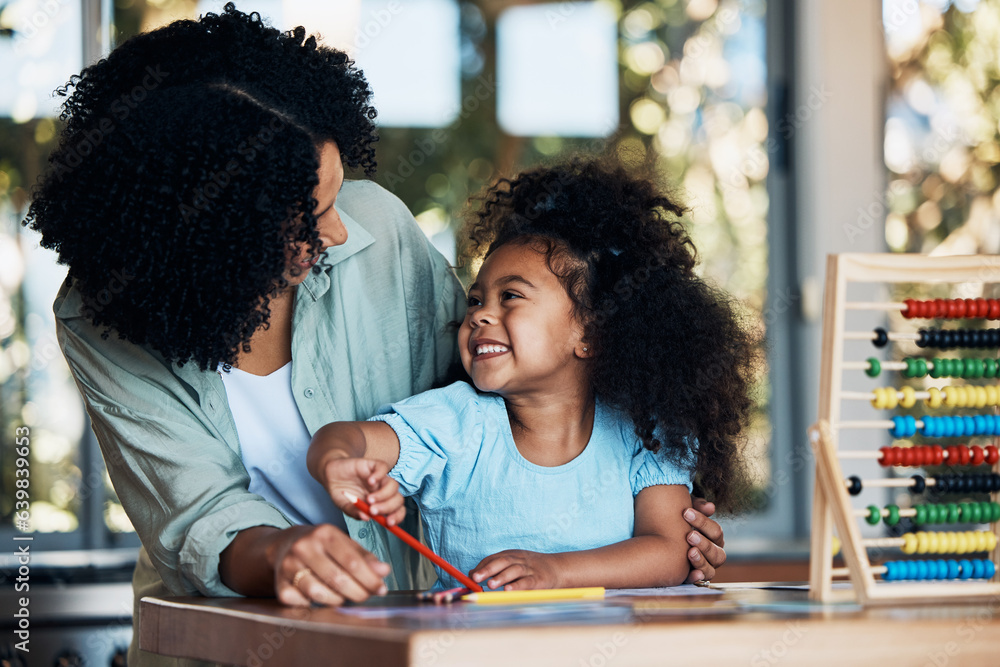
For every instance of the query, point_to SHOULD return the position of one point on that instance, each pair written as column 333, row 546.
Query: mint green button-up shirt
column 369, row 328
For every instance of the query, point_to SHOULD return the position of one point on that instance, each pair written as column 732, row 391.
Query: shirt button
column 308, row 393
column 365, row 532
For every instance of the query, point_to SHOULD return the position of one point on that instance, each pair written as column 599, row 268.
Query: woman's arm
column 655, row 556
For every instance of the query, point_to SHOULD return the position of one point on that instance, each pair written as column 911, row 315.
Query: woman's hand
column 706, row 540
column 301, row 565
column 516, row 569
column 367, row 479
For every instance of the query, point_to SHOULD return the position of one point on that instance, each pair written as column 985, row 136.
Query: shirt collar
column 358, row 238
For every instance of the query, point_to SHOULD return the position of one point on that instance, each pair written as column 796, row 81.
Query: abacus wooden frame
column 831, row 502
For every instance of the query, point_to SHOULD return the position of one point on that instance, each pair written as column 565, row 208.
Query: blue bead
column 992, row 424
column 966, row 566
column 890, row 571
column 970, row 425
column 989, row 569
column 921, row 570
column 928, row 428
column 911, row 426
column 952, row 569
column 942, row 569
column 897, row 427
column 911, row 569
column 977, row 569
column 981, row 426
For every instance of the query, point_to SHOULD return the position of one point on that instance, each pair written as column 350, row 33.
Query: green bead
column 874, row 515
column 994, row 512
column 989, row 368
column 966, row 510
column 921, row 516
column 977, row 366
column 969, row 368
column 893, row 517
column 938, row 370
column 874, row 367
column 947, row 368
column 976, row 512
column 933, row 514
column 921, row 368
column 910, row 370
column 953, row 513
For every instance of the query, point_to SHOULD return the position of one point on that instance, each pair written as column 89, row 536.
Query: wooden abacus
column 902, row 581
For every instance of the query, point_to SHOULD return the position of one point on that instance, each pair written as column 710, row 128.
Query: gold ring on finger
column 298, row 576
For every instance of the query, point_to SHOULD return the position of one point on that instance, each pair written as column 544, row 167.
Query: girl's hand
column 706, row 554
column 369, row 480
column 322, row 564
column 516, row 569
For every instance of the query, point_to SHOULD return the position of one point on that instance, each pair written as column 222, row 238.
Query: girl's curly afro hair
column 187, row 166
column 671, row 351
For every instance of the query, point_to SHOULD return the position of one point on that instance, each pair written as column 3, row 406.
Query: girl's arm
column 656, row 556
column 356, row 457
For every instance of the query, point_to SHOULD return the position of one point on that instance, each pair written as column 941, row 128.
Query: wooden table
column 743, row 626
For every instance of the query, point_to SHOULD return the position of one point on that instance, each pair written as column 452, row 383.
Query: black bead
column 881, row 337
column 976, row 338
column 933, row 338
column 994, row 482
column 946, row 339
column 965, row 484
column 942, row 484
column 964, row 338
column 919, row 484
column 855, row 487
column 993, row 338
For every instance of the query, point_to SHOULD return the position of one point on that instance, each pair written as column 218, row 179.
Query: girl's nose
column 332, row 231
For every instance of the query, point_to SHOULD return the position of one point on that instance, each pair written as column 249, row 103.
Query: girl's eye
column 510, row 295
column 473, row 301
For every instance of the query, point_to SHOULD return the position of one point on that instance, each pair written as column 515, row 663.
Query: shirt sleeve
column 440, row 436
column 182, row 486
column 654, row 468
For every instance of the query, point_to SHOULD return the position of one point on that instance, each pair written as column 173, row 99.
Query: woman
column 229, row 293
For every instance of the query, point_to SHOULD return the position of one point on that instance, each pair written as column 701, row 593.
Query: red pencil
column 409, row 539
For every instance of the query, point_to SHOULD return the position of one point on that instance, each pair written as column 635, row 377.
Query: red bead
column 940, row 308
column 909, row 311
column 994, row 312
column 992, row 454
column 953, row 455
column 960, row 308
column 970, row 308
column 952, row 309
column 982, row 307
column 886, row 459
column 938, row 452
column 964, row 454
column 977, row 455
column 927, row 309
column 907, row 456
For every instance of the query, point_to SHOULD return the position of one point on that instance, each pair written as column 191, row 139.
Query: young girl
column 608, row 377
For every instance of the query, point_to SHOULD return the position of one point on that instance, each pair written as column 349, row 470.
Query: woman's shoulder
column 375, row 208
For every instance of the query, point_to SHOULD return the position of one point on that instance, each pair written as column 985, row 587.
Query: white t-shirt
column 273, row 444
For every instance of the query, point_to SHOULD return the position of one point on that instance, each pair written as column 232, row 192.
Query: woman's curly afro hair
column 187, row 166
column 670, row 351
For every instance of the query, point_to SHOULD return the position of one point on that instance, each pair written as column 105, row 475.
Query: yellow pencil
column 542, row 595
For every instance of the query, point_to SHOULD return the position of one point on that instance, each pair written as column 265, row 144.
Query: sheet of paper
column 685, row 589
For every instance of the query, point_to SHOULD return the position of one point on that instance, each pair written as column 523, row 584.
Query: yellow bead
column 963, row 396
column 991, row 394
column 909, row 398
column 909, row 543
column 891, row 398
column 950, row 396
column 921, row 543
column 962, row 543
column 934, row 400
column 835, row 544
column 878, row 402
column 991, row 541
column 981, row 400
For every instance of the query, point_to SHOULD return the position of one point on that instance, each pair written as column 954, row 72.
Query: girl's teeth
column 488, row 349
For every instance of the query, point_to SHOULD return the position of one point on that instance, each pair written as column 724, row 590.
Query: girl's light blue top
column 478, row 496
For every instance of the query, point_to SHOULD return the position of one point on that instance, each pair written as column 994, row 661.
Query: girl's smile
column 520, row 333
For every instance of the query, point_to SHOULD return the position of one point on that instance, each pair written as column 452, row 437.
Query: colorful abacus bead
column 938, row 569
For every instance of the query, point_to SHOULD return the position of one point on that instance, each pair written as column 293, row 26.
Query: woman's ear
column 584, row 350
